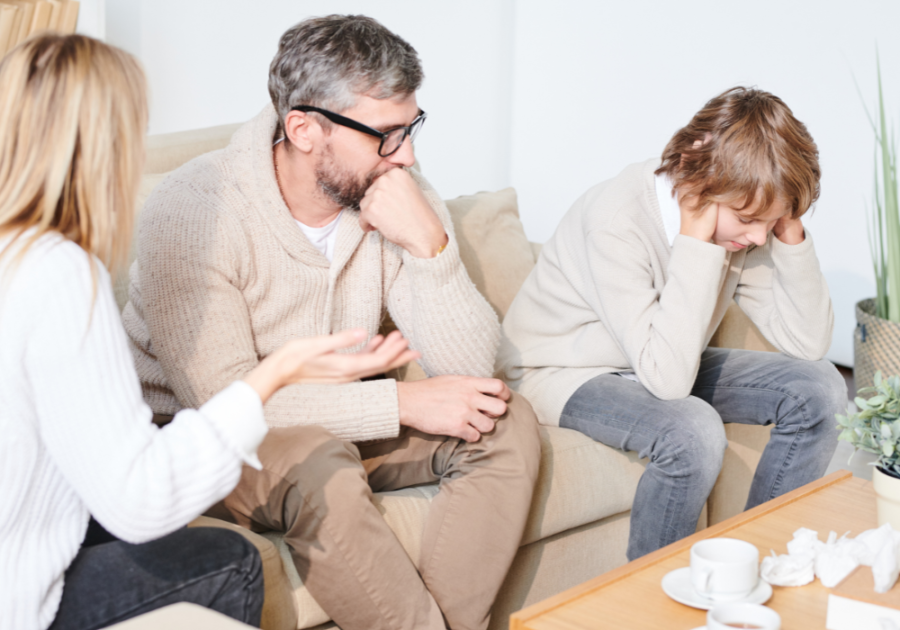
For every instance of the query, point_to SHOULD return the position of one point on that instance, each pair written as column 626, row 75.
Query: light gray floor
column 859, row 465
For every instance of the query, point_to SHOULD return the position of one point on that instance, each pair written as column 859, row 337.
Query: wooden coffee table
column 631, row 596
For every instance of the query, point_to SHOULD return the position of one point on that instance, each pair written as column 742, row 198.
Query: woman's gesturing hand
column 315, row 360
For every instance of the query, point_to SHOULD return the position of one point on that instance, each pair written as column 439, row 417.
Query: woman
column 75, row 435
column 609, row 333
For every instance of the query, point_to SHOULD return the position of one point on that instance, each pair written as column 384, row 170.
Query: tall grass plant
column 884, row 230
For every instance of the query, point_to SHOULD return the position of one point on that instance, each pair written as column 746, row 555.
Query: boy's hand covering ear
column 700, row 224
column 789, row 231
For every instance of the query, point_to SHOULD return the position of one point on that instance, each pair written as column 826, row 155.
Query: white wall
column 207, row 63
column 553, row 98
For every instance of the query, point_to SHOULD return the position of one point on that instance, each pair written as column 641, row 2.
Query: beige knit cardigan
column 608, row 294
column 224, row 276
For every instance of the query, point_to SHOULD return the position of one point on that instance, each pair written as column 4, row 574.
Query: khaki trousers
column 317, row 489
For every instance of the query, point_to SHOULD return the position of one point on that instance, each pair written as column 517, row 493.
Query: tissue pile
column 832, row 561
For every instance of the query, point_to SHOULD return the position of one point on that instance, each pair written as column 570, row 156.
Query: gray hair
column 329, row 61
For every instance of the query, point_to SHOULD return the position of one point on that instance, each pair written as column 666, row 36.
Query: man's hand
column 395, row 206
column 789, row 231
column 700, row 224
column 457, row 406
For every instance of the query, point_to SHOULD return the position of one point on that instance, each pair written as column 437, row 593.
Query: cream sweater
column 76, row 437
column 609, row 294
column 224, row 276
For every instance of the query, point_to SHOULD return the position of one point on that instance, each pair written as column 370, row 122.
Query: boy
column 609, row 333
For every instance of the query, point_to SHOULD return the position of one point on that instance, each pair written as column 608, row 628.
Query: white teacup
column 738, row 615
column 724, row 569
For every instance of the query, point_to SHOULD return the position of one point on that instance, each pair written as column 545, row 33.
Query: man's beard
column 340, row 185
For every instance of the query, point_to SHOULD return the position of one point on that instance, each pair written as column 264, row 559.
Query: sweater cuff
column 792, row 254
column 694, row 251
column 440, row 269
column 237, row 413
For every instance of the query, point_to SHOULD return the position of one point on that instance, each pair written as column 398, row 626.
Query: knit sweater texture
column 76, row 434
column 610, row 294
column 224, row 276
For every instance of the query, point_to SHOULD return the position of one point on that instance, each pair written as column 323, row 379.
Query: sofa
column 578, row 524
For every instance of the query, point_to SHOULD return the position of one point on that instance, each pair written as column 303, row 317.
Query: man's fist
column 395, row 206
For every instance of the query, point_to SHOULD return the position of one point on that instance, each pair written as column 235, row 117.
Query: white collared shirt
column 668, row 207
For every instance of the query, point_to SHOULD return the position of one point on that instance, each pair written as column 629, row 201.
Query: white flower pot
column 887, row 498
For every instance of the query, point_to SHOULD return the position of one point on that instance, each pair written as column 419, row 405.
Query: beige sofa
column 578, row 526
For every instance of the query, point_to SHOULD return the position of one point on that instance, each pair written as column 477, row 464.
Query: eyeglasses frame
column 358, row 126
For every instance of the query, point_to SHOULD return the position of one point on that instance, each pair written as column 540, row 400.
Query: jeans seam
column 802, row 428
column 181, row 586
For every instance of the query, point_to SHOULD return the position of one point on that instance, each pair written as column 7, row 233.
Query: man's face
column 738, row 229
column 349, row 160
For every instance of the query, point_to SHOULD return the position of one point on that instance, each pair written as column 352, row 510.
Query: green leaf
column 877, row 401
column 877, row 378
column 861, row 403
column 887, row 448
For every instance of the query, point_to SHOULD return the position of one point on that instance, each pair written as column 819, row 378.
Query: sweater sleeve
column 140, row 482
column 437, row 307
column 192, row 271
column 661, row 332
column 782, row 290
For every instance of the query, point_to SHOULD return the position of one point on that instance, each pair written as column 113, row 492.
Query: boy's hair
column 744, row 145
column 329, row 61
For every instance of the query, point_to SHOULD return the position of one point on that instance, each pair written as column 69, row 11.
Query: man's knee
column 517, row 437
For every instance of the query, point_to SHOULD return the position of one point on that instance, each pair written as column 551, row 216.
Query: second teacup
column 724, row 569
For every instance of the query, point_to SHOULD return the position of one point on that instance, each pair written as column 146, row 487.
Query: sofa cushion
column 492, row 244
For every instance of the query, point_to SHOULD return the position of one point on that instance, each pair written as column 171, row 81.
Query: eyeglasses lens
column 393, row 141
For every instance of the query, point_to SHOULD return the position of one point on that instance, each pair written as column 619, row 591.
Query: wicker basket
column 876, row 345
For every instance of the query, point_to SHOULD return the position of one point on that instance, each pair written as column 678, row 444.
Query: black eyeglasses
column 391, row 140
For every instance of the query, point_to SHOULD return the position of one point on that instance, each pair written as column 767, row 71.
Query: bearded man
column 311, row 222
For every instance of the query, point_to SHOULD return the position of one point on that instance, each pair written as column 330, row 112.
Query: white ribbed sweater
column 609, row 293
column 224, row 276
column 76, row 437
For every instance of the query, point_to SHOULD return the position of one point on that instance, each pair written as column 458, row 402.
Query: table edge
column 518, row 619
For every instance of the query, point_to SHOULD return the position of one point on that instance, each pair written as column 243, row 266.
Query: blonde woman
column 75, row 435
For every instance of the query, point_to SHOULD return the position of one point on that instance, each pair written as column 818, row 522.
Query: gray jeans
column 685, row 439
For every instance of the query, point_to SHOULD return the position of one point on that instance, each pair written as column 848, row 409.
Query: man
column 609, row 333
column 310, row 222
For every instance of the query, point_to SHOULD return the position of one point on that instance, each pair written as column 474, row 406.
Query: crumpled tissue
column 835, row 559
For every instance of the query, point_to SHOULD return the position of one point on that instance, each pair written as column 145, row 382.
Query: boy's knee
column 695, row 441
column 820, row 389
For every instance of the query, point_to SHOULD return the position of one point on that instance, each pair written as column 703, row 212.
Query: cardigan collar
column 250, row 151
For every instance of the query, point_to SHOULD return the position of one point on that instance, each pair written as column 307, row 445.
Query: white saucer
column 677, row 585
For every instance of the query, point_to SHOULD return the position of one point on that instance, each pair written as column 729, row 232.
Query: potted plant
column 875, row 428
column 876, row 340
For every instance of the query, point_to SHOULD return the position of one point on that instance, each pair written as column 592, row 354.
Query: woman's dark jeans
column 111, row 581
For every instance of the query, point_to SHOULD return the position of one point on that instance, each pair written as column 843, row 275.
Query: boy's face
column 738, row 229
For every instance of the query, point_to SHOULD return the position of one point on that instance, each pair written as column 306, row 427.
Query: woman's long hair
column 73, row 114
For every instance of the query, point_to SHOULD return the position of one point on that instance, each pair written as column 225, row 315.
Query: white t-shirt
column 668, row 208
column 323, row 237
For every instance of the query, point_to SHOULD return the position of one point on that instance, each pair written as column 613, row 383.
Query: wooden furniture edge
column 518, row 619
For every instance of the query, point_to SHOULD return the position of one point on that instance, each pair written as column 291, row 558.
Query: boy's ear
column 302, row 130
